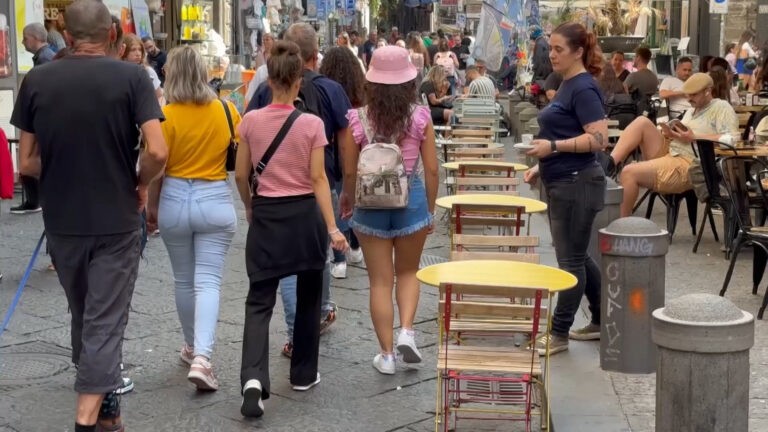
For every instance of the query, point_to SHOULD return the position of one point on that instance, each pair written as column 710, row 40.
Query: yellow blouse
column 197, row 137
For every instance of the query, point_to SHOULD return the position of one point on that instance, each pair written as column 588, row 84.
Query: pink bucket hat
column 391, row 65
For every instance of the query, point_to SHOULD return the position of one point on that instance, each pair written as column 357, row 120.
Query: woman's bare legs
column 407, row 257
column 381, row 275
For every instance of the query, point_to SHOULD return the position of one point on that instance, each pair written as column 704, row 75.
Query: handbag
column 259, row 168
column 232, row 149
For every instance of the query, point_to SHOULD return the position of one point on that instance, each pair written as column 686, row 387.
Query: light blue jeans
column 288, row 293
column 197, row 221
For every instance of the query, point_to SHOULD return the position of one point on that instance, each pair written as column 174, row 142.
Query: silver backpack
column 382, row 182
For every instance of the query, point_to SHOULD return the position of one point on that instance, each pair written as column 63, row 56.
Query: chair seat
column 488, row 359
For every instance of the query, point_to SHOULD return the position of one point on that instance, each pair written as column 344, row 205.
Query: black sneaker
column 109, row 414
column 25, row 208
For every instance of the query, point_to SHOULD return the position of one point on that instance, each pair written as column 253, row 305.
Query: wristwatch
column 553, row 146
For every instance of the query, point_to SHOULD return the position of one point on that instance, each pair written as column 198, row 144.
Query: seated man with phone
column 664, row 168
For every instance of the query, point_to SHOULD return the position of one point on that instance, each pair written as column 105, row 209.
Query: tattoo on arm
column 598, row 138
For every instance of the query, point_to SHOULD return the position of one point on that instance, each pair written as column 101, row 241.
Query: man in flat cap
column 665, row 167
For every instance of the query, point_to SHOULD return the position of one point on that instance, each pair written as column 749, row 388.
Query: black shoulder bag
column 232, row 149
column 259, row 168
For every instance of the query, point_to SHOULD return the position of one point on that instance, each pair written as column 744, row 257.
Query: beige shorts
column 671, row 174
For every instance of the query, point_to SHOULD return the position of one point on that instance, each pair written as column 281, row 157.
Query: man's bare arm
column 29, row 155
column 154, row 155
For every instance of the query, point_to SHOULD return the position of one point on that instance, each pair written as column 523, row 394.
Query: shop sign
column 320, row 9
column 461, row 20
column 449, row 2
column 718, row 6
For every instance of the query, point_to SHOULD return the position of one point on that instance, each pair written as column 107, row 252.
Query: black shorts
column 98, row 274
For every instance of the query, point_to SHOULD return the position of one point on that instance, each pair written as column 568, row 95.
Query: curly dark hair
column 340, row 65
column 389, row 108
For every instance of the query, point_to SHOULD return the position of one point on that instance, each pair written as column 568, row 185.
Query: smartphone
column 677, row 125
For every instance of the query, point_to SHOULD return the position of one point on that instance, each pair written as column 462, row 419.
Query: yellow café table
column 515, row 166
column 531, row 205
column 487, row 272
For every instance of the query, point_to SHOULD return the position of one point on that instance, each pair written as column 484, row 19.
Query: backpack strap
column 366, row 126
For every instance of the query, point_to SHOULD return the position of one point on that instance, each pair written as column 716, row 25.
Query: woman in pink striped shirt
column 291, row 220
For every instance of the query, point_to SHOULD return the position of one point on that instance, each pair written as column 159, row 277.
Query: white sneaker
column 308, row 386
column 406, row 346
column 252, row 405
column 355, row 256
column 339, row 270
column 385, row 363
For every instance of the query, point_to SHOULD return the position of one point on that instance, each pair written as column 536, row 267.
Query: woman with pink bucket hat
column 393, row 116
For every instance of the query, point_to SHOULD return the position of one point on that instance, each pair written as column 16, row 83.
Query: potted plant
column 615, row 23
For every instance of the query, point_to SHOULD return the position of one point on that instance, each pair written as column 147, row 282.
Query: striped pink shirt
column 287, row 173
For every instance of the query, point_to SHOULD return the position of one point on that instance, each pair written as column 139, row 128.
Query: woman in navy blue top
column 573, row 128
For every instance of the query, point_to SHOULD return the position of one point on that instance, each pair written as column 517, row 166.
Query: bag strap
column 276, row 142
column 364, row 122
column 229, row 120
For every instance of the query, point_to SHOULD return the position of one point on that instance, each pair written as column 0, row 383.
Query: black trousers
column 31, row 187
column 306, row 334
column 574, row 202
column 98, row 274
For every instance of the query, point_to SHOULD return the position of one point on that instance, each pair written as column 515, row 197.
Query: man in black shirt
column 78, row 118
column 155, row 57
column 368, row 48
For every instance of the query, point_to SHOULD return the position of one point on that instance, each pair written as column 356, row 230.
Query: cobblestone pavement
column 36, row 376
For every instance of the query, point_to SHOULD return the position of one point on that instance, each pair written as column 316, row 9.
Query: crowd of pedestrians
column 150, row 152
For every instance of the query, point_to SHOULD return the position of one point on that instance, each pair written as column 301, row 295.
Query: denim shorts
column 395, row 222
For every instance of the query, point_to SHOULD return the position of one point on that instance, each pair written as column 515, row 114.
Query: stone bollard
column 614, row 194
column 524, row 117
column 702, row 378
column 633, row 267
column 515, row 117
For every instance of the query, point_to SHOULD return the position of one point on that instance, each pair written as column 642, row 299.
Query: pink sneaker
column 201, row 374
column 187, row 354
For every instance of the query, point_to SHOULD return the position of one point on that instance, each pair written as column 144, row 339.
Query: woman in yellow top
column 193, row 206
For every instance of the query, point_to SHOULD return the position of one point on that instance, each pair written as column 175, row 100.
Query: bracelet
column 553, row 146
column 334, row 232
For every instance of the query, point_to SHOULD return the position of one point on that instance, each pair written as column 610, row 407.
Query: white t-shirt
column 153, row 77
column 259, row 77
column 750, row 52
column 678, row 104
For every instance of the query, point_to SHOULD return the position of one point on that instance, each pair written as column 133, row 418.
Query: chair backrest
column 462, row 299
column 487, row 184
column 502, row 242
column 476, row 154
column 737, row 177
column 470, row 169
column 706, row 152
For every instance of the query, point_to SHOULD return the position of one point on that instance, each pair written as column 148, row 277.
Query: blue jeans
column 288, row 294
column 197, row 221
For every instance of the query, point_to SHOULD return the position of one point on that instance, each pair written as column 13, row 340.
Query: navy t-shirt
column 578, row 102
